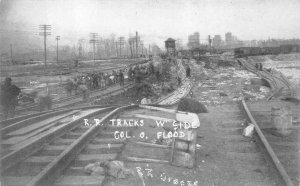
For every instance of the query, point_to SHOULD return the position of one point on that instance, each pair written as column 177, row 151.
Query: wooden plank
column 136, row 159
column 151, row 145
column 98, row 157
column 84, row 159
column 157, row 108
column 14, row 181
column 40, row 159
column 80, row 180
column 153, row 117
column 107, row 140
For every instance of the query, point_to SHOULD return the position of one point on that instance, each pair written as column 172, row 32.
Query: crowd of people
column 101, row 80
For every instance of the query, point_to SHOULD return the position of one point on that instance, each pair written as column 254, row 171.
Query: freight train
column 255, row 51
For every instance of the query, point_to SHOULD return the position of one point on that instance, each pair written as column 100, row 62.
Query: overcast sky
column 157, row 19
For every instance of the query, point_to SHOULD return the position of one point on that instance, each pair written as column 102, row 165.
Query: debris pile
column 191, row 105
column 225, row 84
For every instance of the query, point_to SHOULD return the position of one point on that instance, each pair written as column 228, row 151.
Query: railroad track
column 47, row 150
column 182, row 91
column 252, row 159
column 38, row 149
column 52, row 148
column 71, row 100
column 282, row 151
column 277, row 83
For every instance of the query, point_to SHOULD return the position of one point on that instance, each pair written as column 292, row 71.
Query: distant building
column 155, row 50
column 217, row 41
column 229, row 39
column 194, row 41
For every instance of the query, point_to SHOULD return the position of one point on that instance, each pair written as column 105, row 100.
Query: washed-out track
column 36, row 149
column 60, row 147
column 35, row 154
column 276, row 79
column 283, row 151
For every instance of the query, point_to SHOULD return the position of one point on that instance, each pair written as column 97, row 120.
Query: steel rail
column 62, row 161
column 281, row 78
column 23, row 152
column 5, row 123
column 270, row 77
column 68, row 104
column 74, row 97
column 34, row 105
column 46, row 176
column 285, row 177
column 55, row 168
column 31, row 118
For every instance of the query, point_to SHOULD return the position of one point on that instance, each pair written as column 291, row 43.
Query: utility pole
column 149, row 51
column 133, row 47
column 80, row 48
column 136, row 44
column 130, row 45
column 11, row 54
column 117, row 49
column 45, row 32
column 142, row 45
column 57, row 38
column 94, row 40
column 209, row 42
column 121, row 43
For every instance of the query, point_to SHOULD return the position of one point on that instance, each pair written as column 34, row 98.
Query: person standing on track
column 188, row 71
column 121, row 78
column 84, row 91
column 137, row 75
column 260, row 66
column 9, row 97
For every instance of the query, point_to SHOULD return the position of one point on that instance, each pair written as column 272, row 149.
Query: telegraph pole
column 80, row 48
column 142, row 45
column 117, row 49
column 57, row 38
column 94, row 40
column 149, row 51
column 136, row 44
column 121, row 43
column 133, row 47
column 209, row 42
column 130, row 45
column 45, row 32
